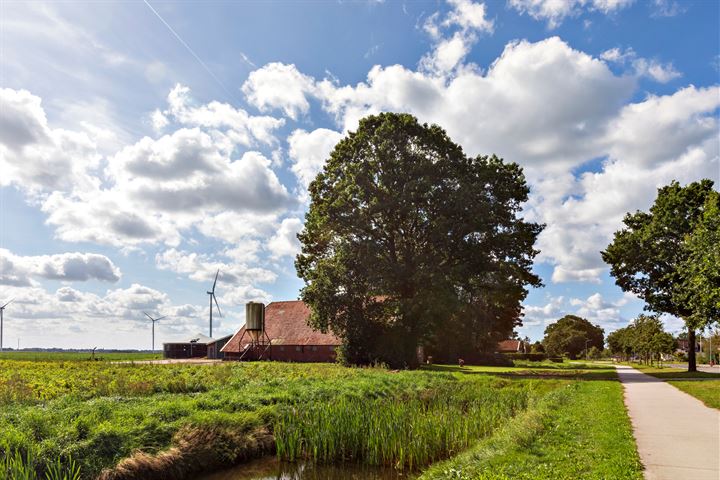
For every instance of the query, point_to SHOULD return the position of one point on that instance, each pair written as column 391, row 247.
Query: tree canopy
column 644, row 338
column 661, row 255
column 571, row 335
column 410, row 242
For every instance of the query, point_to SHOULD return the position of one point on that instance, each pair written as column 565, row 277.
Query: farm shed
column 194, row 347
column 291, row 338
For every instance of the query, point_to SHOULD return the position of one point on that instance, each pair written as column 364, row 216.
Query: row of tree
column 643, row 339
column 670, row 256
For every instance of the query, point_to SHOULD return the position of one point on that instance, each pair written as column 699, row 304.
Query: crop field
column 86, row 420
column 79, row 356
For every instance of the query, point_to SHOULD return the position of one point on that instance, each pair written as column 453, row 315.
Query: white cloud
column 202, row 268
column 543, row 314
column 278, row 86
column 554, row 12
column 309, row 151
column 285, row 242
column 37, row 158
column 20, row 270
column 70, row 317
column 468, row 18
column 643, row 67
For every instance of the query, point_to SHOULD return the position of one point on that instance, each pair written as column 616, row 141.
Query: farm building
column 288, row 337
column 199, row 346
column 512, row 346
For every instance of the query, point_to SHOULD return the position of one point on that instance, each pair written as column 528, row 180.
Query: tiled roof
column 286, row 324
column 509, row 346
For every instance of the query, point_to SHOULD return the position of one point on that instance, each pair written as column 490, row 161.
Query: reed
column 14, row 465
column 404, row 432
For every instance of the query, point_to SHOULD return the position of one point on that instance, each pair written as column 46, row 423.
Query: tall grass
column 16, row 466
column 404, row 432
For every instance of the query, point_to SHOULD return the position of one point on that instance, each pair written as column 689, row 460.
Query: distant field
column 102, row 414
column 77, row 356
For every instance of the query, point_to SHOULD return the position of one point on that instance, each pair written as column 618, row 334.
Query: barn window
column 282, row 349
column 331, row 348
column 298, row 349
column 314, row 348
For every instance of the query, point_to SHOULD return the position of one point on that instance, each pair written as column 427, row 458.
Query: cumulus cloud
column 278, row 86
column 454, row 35
column 642, row 67
column 554, row 12
column 37, row 158
column 151, row 190
column 68, row 312
column 309, row 151
column 285, row 242
column 202, row 268
column 20, row 270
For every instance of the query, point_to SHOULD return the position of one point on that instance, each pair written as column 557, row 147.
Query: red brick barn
column 291, row 339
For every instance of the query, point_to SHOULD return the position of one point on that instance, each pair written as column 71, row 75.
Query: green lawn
column 535, row 369
column 671, row 373
column 708, row 391
column 579, row 432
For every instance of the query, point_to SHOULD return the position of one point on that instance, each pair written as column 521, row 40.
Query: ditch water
column 270, row 468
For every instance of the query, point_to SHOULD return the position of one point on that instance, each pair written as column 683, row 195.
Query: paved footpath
column 677, row 436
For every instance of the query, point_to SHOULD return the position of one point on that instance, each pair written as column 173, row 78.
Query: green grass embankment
column 581, row 431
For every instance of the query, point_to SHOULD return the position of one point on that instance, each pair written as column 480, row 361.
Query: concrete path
column 677, row 436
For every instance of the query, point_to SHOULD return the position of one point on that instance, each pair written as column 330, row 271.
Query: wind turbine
column 2, row 309
column 212, row 297
column 153, row 320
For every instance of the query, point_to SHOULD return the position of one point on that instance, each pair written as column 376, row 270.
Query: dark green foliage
column 407, row 241
column 571, row 335
column 667, row 257
column 533, row 357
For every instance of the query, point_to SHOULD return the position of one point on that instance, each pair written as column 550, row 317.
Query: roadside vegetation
column 559, row 437
column 128, row 421
column 123, row 421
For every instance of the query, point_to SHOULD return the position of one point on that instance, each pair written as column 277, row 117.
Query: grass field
column 78, row 356
column 151, row 421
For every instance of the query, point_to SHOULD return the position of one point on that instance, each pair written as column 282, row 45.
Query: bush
column 556, row 359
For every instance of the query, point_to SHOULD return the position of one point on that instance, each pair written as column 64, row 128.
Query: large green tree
column 650, row 256
column 571, row 335
column 408, row 241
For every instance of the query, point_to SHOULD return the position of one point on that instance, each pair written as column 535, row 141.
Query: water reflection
column 272, row 469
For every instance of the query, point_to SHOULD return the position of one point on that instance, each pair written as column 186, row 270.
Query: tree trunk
column 692, row 365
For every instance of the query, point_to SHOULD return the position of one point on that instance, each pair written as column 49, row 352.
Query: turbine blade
column 165, row 316
column 149, row 316
column 215, row 282
column 216, row 304
column 8, row 303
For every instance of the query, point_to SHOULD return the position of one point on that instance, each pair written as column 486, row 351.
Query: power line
column 207, row 69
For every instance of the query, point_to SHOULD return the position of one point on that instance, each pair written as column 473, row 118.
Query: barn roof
column 286, row 324
column 510, row 346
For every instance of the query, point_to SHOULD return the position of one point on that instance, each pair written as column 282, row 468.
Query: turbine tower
column 213, row 298
column 2, row 309
column 153, row 320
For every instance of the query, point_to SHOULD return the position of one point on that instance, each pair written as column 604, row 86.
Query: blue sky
column 146, row 145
